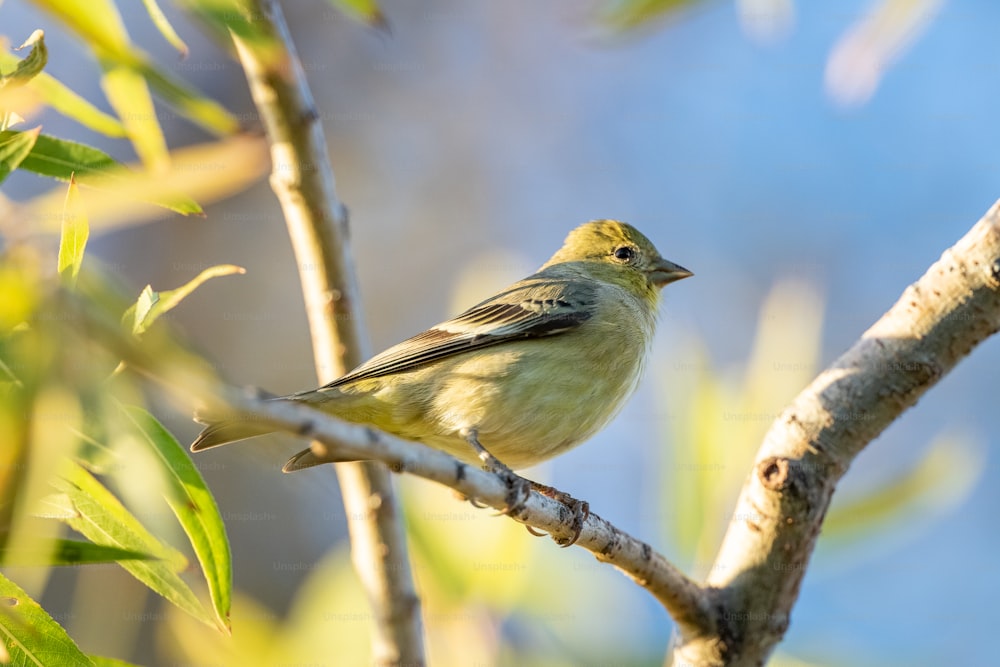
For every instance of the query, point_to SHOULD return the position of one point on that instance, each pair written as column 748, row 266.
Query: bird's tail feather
column 225, row 431
column 307, row 459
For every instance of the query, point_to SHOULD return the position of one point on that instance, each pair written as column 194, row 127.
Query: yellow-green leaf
column 622, row 15
column 73, row 239
column 207, row 172
column 60, row 97
column 31, row 636
column 68, row 552
column 101, row 518
column 365, row 11
column 98, row 22
column 14, row 148
column 205, row 112
column 129, row 95
column 33, row 63
column 62, row 159
column 150, row 305
column 940, row 480
column 193, row 505
column 163, row 25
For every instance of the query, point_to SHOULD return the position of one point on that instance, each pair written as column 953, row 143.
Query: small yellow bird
column 521, row 377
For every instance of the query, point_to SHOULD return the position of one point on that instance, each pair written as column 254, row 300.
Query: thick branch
column 764, row 555
column 302, row 179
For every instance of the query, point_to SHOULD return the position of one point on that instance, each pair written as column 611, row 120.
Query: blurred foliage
column 72, row 424
column 82, row 453
column 720, row 418
column 855, row 65
column 76, row 437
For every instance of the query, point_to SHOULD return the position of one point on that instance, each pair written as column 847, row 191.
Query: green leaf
column 129, row 95
column 939, row 481
column 150, row 305
column 73, row 239
column 33, row 63
column 101, row 25
column 101, row 518
column 63, row 160
column 234, row 18
column 365, row 11
column 14, row 148
column 30, row 635
column 101, row 661
column 622, row 15
column 205, row 112
column 195, row 508
column 68, row 552
column 102, row 28
column 163, row 25
column 61, row 98
column 208, row 172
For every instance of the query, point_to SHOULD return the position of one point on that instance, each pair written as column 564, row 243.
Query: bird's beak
column 665, row 272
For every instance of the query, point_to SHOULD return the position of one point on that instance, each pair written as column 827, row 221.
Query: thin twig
column 683, row 598
column 302, row 179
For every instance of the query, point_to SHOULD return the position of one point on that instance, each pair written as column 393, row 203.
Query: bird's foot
column 579, row 508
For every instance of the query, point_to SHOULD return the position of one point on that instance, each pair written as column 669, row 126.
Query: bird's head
column 620, row 253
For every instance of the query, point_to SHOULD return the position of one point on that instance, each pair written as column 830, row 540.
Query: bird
column 527, row 374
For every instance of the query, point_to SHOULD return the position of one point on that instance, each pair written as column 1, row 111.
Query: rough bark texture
column 756, row 577
column 302, row 179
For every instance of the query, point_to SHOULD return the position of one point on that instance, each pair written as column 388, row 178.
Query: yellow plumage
column 529, row 373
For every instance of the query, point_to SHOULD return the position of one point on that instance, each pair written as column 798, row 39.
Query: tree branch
column 302, row 179
column 683, row 598
column 743, row 610
column 759, row 568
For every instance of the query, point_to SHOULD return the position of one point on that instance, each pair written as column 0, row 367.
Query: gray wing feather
column 533, row 308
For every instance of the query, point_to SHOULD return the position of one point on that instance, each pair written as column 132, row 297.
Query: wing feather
column 533, row 308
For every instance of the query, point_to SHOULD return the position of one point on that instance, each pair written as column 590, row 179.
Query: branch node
column 773, row 473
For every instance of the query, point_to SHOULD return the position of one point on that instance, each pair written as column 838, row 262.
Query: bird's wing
column 532, row 308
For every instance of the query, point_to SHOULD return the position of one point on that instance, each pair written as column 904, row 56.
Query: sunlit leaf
column 101, row 518
column 30, row 635
column 193, row 505
column 62, row 160
column 32, row 65
column 101, row 661
column 151, row 305
column 207, row 172
column 871, row 46
column 14, row 148
column 163, row 25
column 101, row 25
column 73, row 239
column 17, row 103
column 233, row 18
column 365, row 11
column 719, row 418
column 102, row 29
column 58, row 96
column 68, row 552
column 622, row 15
column 205, row 112
column 938, row 482
column 129, row 95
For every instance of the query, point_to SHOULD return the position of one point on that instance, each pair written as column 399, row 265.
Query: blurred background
column 806, row 160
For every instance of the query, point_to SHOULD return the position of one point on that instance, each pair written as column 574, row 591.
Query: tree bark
column 302, row 178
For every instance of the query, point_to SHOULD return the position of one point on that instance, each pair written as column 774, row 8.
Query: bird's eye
column 624, row 253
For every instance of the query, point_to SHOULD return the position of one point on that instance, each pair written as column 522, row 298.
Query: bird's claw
column 579, row 508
